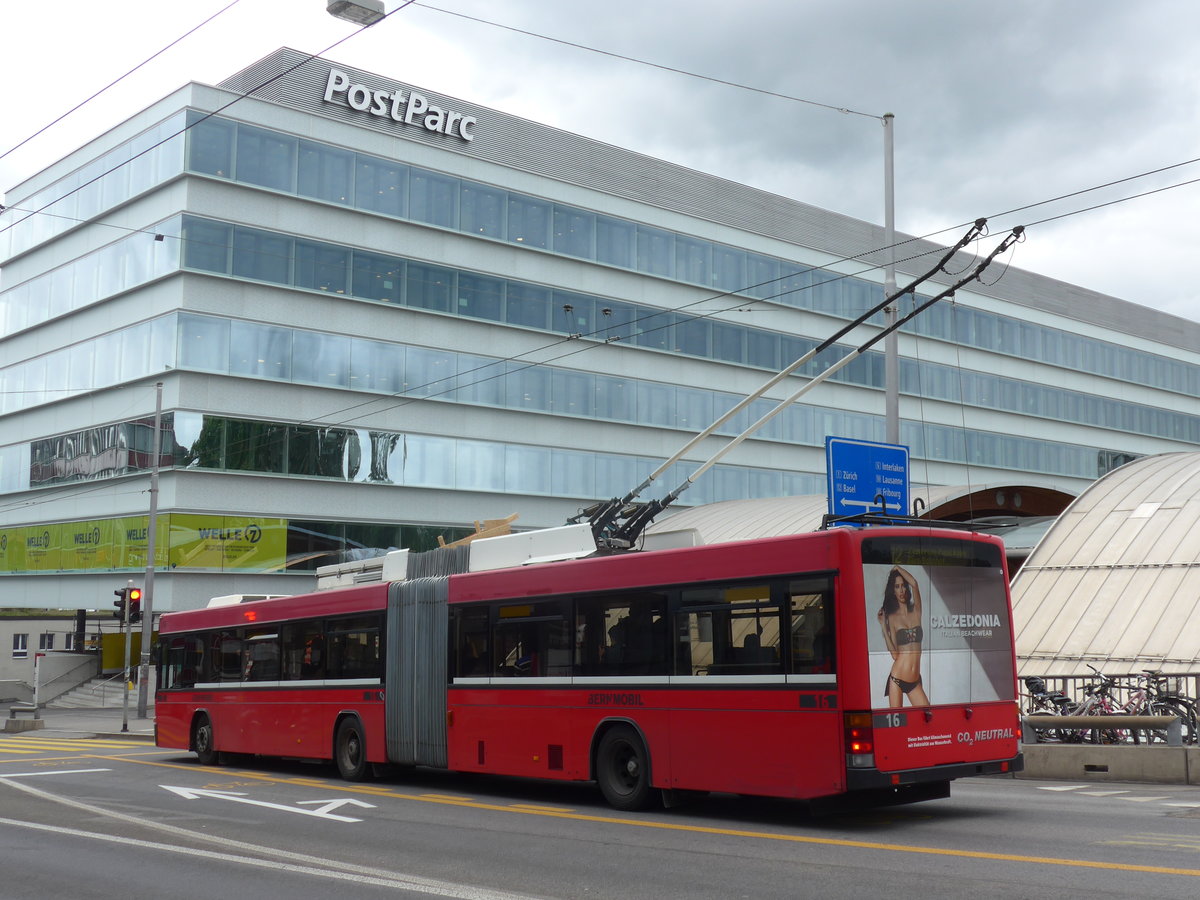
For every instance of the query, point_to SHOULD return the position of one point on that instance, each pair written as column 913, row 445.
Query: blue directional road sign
column 865, row 476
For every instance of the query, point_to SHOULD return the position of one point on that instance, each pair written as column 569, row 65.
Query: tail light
column 860, row 740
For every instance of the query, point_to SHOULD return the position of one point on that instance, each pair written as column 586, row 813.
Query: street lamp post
column 891, row 346
column 151, row 533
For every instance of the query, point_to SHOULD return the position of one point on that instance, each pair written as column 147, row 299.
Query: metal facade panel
column 416, row 672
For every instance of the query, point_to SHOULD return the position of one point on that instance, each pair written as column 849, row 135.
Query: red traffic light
column 135, row 594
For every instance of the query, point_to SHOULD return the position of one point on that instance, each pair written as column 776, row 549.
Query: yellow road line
column 68, row 745
column 699, row 829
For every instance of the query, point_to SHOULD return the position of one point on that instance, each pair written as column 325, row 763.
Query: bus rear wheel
column 350, row 750
column 623, row 769
column 202, row 742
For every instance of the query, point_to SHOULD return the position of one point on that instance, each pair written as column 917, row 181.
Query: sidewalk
column 89, row 723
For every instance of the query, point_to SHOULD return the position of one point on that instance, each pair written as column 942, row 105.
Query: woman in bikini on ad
column 900, row 619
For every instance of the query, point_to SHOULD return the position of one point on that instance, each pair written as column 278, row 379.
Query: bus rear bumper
column 871, row 779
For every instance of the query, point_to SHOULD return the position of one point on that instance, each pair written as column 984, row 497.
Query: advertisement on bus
column 938, row 629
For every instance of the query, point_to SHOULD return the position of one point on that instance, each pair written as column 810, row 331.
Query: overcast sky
column 998, row 106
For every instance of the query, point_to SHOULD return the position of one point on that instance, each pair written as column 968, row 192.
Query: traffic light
column 119, row 612
column 134, row 597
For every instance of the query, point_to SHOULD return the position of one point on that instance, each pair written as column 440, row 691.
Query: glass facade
column 228, row 249
column 198, row 441
column 255, row 156
column 151, row 158
column 430, row 198
column 124, row 264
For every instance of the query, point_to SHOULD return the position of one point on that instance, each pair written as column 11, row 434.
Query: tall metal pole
column 148, row 589
column 891, row 346
column 128, row 629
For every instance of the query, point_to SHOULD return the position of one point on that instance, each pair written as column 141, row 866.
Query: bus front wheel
column 623, row 769
column 350, row 750
column 202, row 742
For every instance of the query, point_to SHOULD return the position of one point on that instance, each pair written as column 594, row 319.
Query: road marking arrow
column 237, row 797
column 335, row 804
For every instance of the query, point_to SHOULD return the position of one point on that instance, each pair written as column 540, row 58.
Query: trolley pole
column 148, row 588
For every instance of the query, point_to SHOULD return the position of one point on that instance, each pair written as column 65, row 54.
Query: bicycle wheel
column 1047, row 735
column 1174, row 707
column 1190, row 714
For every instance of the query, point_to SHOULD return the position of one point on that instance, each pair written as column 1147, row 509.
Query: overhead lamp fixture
column 360, row 12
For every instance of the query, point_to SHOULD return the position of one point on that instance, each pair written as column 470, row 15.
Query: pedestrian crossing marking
column 1085, row 790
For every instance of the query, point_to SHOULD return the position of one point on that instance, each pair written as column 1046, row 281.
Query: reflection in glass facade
column 502, row 300
column 151, row 158
column 122, row 265
column 418, row 195
column 251, row 155
column 197, row 441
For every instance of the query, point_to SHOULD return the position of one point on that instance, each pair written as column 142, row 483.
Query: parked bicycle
column 1146, row 694
column 1044, row 702
column 1149, row 695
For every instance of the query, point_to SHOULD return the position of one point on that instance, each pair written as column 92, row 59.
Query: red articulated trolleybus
column 783, row 667
column 869, row 661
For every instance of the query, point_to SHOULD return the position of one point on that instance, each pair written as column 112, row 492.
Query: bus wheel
column 623, row 769
column 350, row 750
column 202, row 742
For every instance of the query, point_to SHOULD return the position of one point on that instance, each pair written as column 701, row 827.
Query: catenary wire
column 118, row 80
column 643, row 62
column 307, row 59
column 708, row 299
column 460, row 385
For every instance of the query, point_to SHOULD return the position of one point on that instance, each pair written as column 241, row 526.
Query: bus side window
column 813, row 643
column 471, row 642
column 227, row 656
column 260, row 654
column 182, row 657
column 355, row 647
column 532, row 640
column 622, row 634
column 303, row 651
column 729, row 629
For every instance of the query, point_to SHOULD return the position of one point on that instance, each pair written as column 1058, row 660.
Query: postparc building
column 380, row 315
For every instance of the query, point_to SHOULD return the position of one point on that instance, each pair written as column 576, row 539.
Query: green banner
column 228, row 542
column 183, row 541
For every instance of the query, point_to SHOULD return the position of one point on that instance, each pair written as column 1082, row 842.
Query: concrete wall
column 1087, row 762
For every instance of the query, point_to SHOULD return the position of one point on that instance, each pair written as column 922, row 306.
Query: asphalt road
column 117, row 817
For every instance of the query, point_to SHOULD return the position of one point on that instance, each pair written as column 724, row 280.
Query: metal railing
column 1098, row 726
column 1185, row 684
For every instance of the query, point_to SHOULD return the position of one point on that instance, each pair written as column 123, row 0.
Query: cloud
column 997, row 107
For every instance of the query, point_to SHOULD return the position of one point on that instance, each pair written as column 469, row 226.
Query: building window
column 46, row 641
column 20, row 646
column 71, row 641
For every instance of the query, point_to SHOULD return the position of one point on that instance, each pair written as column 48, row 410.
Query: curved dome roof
column 738, row 520
column 1115, row 582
